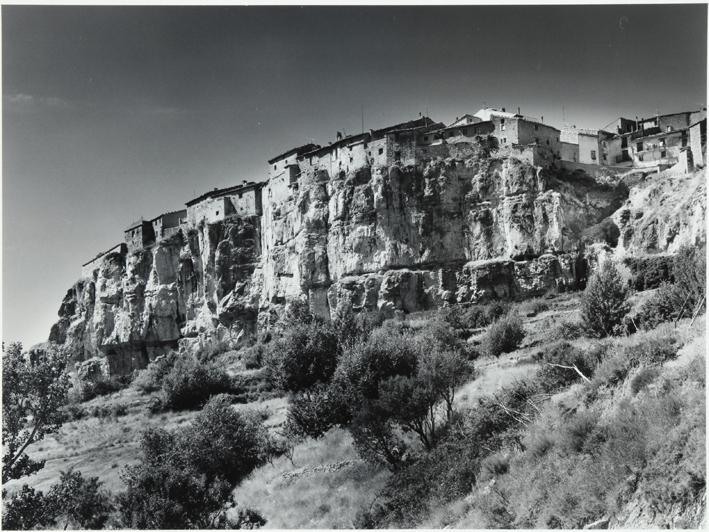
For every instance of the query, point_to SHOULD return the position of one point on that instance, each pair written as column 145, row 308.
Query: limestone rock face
column 463, row 226
column 663, row 213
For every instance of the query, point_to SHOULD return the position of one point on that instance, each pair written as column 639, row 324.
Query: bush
column 690, row 276
column 650, row 272
column 643, row 378
column 254, row 356
column 567, row 330
column 664, row 305
column 503, row 336
column 604, row 302
column 151, row 378
column 190, row 383
column 553, row 377
column 313, row 412
column 80, row 501
column 104, row 386
column 185, row 478
column 27, row 510
column 475, row 316
column 304, row 356
column 77, row 501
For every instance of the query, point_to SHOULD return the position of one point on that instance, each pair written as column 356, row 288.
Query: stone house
column 284, row 171
column 698, row 142
column 219, row 204
column 139, row 235
column 167, row 224
column 90, row 266
column 465, row 120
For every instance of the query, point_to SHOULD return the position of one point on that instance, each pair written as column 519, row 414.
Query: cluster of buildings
column 660, row 141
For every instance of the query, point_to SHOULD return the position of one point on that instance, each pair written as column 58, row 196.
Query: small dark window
column 397, row 155
column 547, row 142
column 350, row 159
column 663, row 154
column 593, row 155
column 217, row 213
column 274, row 166
column 536, row 127
column 381, row 150
column 502, row 120
column 425, row 139
column 640, row 146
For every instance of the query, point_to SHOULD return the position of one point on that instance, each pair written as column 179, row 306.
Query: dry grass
column 326, row 487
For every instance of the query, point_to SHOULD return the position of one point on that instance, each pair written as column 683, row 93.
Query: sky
column 112, row 113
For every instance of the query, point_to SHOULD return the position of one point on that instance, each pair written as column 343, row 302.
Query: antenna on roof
column 362, row 109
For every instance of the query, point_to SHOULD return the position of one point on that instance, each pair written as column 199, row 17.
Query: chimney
column 503, row 109
column 542, row 118
column 519, row 111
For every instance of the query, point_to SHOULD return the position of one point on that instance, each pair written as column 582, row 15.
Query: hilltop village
column 649, row 144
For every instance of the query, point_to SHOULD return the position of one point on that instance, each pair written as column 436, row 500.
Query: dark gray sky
column 110, row 113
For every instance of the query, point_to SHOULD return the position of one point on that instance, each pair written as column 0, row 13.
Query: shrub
column 254, row 356
column 313, row 412
column 189, row 383
column 80, row 501
column 568, row 330
column 690, row 276
column 662, row 306
column 575, row 432
column 553, row 377
column 26, row 510
column 151, row 378
column 77, row 501
column 644, row 377
column 503, row 336
column 103, row 386
column 650, row 272
column 304, row 356
column 185, row 478
column 604, row 302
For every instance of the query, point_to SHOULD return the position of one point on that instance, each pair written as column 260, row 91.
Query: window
column 593, row 155
column 425, row 139
column 502, row 127
column 663, row 154
column 350, row 159
column 397, row 155
column 274, row 166
column 547, row 142
column 639, row 146
column 381, row 150
column 502, row 120
column 217, row 213
column 536, row 127
column 669, row 128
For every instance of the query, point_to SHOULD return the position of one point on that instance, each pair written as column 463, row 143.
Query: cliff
column 664, row 212
column 463, row 225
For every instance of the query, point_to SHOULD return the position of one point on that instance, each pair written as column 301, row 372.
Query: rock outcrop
column 663, row 212
column 465, row 226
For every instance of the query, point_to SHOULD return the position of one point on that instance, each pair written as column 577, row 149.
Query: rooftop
column 299, row 151
column 247, row 185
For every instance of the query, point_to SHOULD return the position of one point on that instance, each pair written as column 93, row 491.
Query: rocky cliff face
column 664, row 212
column 463, row 227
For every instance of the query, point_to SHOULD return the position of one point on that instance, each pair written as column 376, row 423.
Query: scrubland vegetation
column 528, row 414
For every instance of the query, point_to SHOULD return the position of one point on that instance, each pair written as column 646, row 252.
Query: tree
column 34, row 390
column 306, row 355
column 444, row 372
column 80, row 501
column 76, row 500
column 605, row 301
